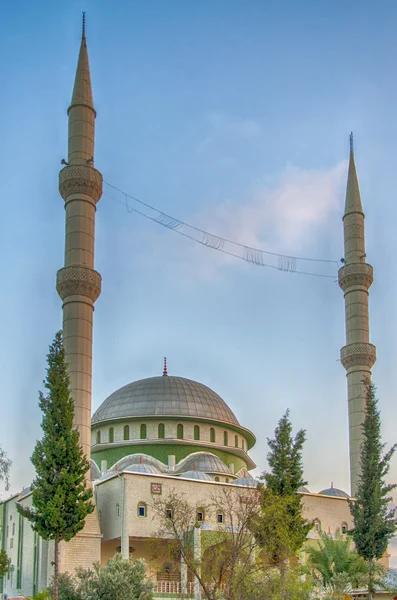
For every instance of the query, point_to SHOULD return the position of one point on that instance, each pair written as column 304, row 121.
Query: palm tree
column 334, row 556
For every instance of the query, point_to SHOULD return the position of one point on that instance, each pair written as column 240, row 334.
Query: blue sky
column 233, row 117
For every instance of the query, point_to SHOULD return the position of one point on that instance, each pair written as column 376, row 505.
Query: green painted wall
column 161, row 452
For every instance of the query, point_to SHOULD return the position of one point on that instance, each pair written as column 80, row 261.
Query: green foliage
column 119, row 580
column 3, row 563
column 374, row 521
column 335, row 564
column 5, row 465
column 285, row 459
column 44, row 595
column 270, row 586
column 279, row 528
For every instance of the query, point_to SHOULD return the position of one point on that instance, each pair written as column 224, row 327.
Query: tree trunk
column 370, row 579
column 56, row 569
column 283, row 573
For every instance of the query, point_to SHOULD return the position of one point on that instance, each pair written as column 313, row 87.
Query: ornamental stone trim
column 80, row 179
column 355, row 274
column 355, row 355
column 77, row 280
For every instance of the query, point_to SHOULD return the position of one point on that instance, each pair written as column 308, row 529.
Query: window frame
column 126, row 430
column 111, row 435
column 196, row 433
column 143, row 431
column 142, row 505
column 212, row 435
column 161, row 431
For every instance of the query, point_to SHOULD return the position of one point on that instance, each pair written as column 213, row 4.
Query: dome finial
column 165, row 372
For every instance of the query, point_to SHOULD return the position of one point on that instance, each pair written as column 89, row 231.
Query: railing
column 173, row 587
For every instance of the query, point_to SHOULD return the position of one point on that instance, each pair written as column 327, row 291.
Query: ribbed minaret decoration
column 355, row 279
column 78, row 284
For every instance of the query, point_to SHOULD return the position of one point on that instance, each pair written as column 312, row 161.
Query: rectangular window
column 11, row 543
column 142, row 510
column 200, row 516
column 220, row 517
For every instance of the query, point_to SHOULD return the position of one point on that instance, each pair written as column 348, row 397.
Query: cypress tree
column 60, row 495
column 374, row 521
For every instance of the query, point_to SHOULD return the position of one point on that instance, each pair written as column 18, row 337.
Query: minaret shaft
column 78, row 284
column 358, row 356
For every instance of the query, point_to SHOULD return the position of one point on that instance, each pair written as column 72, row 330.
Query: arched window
column 161, row 431
column 227, row 479
column 179, row 431
column 117, row 510
column 111, row 434
column 142, row 510
column 317, row 525
column 216, row 478
column 243, row 444
column 126, row 432
column 236, row 441
column 344, row 528
column 200, row 515
column 196, row 432
column 225, row 438
column 98, row 436
column 212, row 435
column 143, row 432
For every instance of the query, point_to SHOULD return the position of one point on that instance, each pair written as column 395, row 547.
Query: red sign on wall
column 156, row 488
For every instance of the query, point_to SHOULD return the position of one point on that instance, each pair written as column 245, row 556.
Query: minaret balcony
column 78, row 280
column 80, row 179
column 355, row 274
column 358, row 355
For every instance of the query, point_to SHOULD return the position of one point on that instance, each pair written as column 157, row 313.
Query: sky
column 235, row 118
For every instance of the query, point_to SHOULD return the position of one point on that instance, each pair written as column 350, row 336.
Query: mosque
column 165, row 432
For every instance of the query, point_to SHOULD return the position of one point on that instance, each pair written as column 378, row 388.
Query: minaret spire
column 355, row 279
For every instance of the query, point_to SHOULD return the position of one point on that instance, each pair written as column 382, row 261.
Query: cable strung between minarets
column 78, row 284
column 355, row 279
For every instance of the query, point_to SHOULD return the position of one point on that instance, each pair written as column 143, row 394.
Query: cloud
column 286, row 215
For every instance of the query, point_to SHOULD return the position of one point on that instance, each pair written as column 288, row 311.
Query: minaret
column 78, row 284
column 355, row 279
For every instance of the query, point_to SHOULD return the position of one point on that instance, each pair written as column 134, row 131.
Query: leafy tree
column 3, row 563
column 280, row 528
column 119, row 580
column 60, row 495
column 228, row 558
column 285, row 459
column 5, row 465
column 374, row 521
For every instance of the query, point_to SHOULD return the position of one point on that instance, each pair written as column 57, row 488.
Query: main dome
column 165, row 396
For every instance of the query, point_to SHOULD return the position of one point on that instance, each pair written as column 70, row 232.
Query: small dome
column 165, row 397
column 202, row 461
column 335, row 492
column 142, row 468
column 247, row 481
column 304, row 490
column 133, row 459
column 196, row 475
